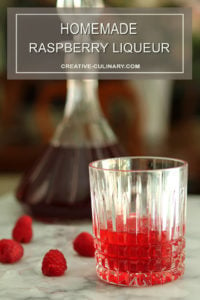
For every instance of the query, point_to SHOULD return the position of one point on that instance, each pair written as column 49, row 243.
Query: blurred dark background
column 150, row 117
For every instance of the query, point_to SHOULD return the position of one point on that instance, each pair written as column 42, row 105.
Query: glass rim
column 182, row 162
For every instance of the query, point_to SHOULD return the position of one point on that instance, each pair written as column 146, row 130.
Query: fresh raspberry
column 10, row 251
column 84, row 244
column 54, row 263
column 22, row 232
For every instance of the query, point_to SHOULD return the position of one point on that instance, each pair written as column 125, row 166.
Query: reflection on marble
column 24, row 279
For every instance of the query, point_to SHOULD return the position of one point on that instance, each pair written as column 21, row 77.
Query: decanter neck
column 79, row 3
column 83, row 124
column 82, row 99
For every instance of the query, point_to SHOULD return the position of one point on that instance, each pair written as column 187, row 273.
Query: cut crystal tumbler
column 139, row 212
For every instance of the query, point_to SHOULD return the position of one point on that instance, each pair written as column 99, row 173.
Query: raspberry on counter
column 10, row 251
column 54, row 263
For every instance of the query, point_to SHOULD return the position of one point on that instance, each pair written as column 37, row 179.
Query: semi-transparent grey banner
column 107, row 43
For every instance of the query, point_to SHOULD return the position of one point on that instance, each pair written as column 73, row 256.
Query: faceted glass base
column 139, row 279
column 139, row 259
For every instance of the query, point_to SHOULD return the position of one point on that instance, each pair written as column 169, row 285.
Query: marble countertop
column 24, row 279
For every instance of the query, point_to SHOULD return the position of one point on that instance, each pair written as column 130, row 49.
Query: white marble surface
column 24, row 279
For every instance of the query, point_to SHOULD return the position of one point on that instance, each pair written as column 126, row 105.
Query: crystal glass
column 139, row 214
column 56, row 188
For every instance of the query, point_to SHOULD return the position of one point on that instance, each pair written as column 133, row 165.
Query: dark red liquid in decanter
column 57, row 186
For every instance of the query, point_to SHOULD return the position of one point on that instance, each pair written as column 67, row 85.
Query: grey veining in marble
column 24, row 279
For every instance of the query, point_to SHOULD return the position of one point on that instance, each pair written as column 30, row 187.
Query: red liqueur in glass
column 139, row 254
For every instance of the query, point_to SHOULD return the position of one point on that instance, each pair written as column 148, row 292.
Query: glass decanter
column 57, row 186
